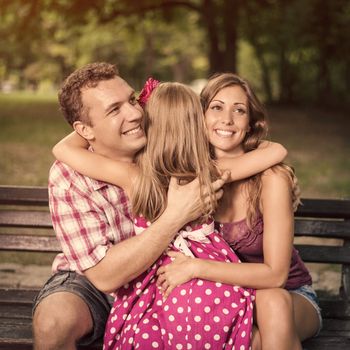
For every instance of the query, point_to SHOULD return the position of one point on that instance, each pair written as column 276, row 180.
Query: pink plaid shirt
column 88, row 216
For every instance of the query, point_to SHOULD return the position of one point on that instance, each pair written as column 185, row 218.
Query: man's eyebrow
column 113, row 105
column 117, row 103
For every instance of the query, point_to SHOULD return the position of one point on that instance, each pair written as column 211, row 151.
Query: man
column 92, row 219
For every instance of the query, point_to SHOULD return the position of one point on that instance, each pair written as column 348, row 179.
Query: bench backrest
column 22, row 208
column 326, row 218
column 27, row 207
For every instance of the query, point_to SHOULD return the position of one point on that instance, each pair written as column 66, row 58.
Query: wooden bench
column 27, row 207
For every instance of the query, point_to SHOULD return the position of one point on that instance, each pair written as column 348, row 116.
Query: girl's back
column 201, row 314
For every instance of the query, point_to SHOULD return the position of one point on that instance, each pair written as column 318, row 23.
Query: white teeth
column 133, row 131
column 224, row 132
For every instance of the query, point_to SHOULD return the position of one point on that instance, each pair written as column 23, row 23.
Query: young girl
column 198, row 313
column 256, row 217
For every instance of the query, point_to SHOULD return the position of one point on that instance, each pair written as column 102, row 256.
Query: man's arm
column 128, row 259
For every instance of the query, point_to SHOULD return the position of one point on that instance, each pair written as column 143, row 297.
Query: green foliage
column 302, row 46
column 294, row 51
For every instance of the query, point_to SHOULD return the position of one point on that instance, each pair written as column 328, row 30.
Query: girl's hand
column 179, row 271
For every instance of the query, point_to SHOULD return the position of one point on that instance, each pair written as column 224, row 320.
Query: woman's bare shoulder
column 276, row 177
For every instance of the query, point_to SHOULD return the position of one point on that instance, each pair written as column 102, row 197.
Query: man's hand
column 114, row 270
column 179, row 271
column 185, row 200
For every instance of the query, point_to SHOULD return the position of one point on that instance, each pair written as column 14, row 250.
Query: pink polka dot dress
column 199, row 314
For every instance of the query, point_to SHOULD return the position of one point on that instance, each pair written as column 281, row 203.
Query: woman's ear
column 84, row 130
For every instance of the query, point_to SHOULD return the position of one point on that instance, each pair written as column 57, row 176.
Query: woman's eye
column 216, row 107
column 239, row 111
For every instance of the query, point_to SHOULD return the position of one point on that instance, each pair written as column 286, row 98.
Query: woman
column 199, row 313
column 256, row 216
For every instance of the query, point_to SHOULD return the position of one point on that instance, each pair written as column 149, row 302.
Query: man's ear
column 84, row 130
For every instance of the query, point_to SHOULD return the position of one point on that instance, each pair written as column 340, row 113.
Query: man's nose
column 134, row 113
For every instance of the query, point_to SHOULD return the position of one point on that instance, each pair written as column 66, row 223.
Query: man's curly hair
column 69, row 95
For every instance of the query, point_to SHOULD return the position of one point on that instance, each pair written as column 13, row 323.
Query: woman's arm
column 253, row 162
column 277, row 242
column 73, row 150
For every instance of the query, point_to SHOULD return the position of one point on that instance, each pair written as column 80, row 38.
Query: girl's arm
column 253, row 162
column 73, row 150
column 277, row 247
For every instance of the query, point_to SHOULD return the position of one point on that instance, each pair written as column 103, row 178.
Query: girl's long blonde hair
column 177, row 146
column 258, row 131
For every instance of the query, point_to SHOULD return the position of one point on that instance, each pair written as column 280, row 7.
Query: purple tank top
column 248, row 245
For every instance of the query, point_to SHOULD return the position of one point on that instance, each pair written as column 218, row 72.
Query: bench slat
column 333, row 324
column 322, row 228
column 16, row 334
column 13, row 311
column 23, row 195
column 23, row 338
column 324, row 254
column 334, row 342
column 25, row 218
column 17, row 296
column 337, row 309
column 42, row 219
column 29, row 243
column 324, row 208
column 35, row 195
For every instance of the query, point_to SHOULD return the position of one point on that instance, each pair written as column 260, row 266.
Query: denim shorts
column 309, row 293
column 98, row 302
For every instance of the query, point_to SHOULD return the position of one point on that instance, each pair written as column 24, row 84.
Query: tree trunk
column 286, row 79
column 324, row 51
column 323, row 80
column 265, row 70
column 230, row 17
column 209, row 14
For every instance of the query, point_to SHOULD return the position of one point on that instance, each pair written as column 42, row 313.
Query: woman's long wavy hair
column 258, row 132
column 177, row 146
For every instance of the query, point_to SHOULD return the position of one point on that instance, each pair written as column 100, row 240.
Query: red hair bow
column 146, row 91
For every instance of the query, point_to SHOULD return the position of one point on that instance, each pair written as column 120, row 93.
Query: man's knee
column 60, row 320
column 49, row 330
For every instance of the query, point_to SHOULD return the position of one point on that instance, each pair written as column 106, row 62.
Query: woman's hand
column 179, row 271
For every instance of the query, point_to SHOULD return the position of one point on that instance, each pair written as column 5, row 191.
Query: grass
column 319, row 148
column 30, row 126
column 317, row 140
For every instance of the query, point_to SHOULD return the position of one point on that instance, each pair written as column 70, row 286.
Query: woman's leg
column 275, row 320
column 305, row 317
column 256, row 340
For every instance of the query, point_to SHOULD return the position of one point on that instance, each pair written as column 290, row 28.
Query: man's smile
column 133, row 131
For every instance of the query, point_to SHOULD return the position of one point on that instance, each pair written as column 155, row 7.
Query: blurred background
column 295, row 53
